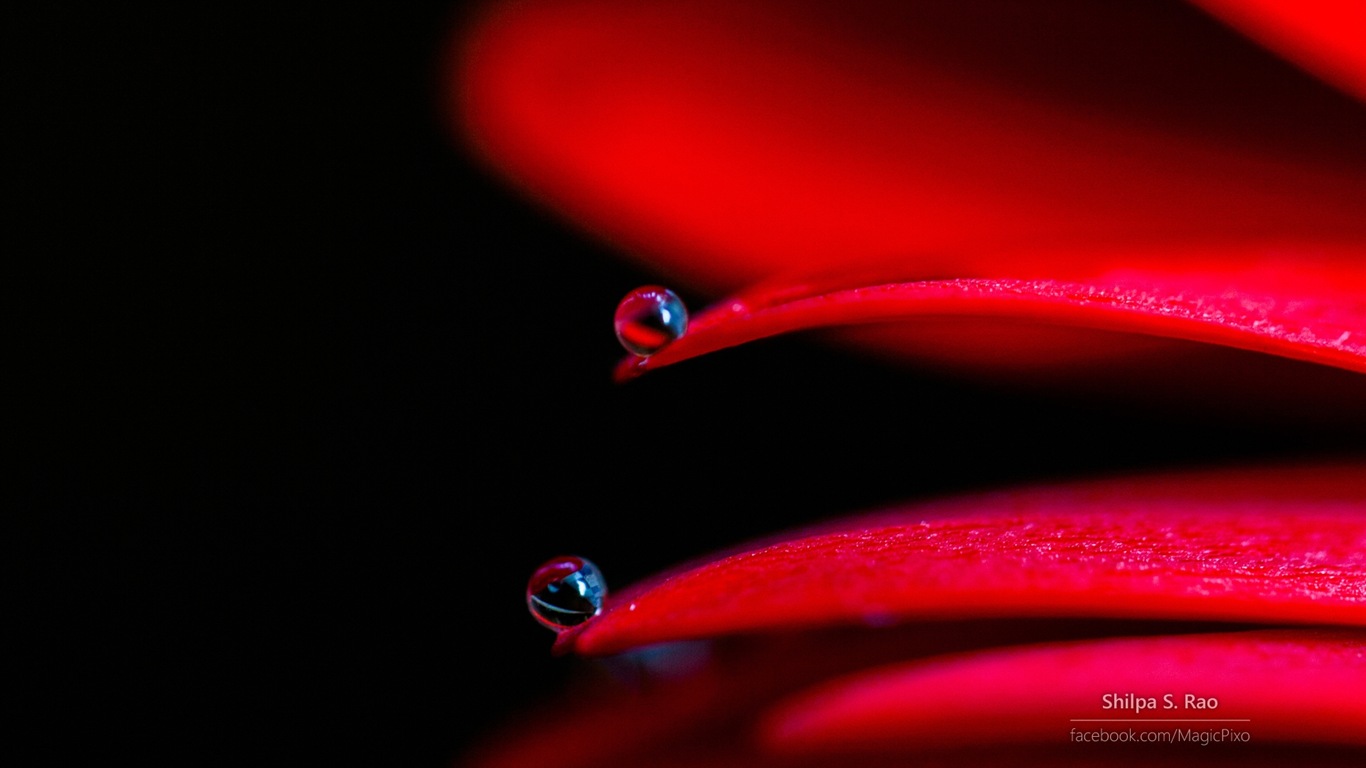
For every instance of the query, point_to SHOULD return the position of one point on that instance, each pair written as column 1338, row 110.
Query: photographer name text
column 1129, row 702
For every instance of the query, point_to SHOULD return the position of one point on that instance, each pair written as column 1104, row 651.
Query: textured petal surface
column 1256, row 545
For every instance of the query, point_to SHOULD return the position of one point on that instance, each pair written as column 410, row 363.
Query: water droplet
column 649, row 319
column 565, row 592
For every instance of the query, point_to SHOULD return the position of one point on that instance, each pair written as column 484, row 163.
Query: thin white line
column 1160, row 720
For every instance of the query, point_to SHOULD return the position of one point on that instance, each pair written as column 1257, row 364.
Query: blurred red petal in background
column 1286, row 685
column 1323, row 36
column 726, row 141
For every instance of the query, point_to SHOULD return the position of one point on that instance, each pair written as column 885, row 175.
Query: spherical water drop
column 649, row 319
column 565, row 592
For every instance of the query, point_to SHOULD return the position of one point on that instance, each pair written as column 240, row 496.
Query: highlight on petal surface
column 1283, row 546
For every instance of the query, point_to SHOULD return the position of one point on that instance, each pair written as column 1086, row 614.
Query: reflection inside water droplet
column 565, row 592
column 649, row 319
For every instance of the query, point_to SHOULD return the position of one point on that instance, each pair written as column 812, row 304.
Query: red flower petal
column 760, row 700
column 730, row 142
column 1312, row 311
column 727, row 142
column 712, row 709
column 1033, row 175
column 1323, row 36
column 1277, row 685
column 1260, row 546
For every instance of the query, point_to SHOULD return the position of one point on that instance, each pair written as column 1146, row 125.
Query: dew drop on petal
column 649, row 319
column 565, row 592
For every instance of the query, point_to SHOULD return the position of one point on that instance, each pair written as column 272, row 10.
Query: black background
column 302, row 394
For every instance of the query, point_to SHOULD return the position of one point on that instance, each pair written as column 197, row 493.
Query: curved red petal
column 1256, row 545
column 704, row 701
column 709, row 703
column 1323, row 36
column 1303, row 304
column 1274, row 685
column 727, row 142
